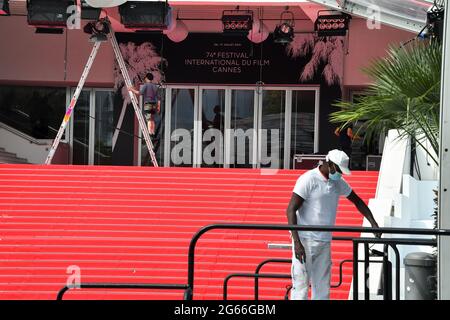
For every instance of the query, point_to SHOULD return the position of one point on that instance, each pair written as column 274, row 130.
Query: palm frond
column 404, row 95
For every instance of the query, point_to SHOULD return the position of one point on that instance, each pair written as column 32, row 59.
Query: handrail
column 189, row 294
column 120, row 286
column 23, row 135
column 42, row 142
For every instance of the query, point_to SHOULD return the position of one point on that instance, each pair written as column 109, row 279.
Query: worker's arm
column 134, row 90
column 364, row 210
column 295, row 203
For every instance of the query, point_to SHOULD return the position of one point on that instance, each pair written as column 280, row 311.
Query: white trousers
column 315, row 271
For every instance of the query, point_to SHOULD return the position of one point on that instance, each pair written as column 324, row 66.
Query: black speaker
column 4, row 8
column 134, row 14
column 88, row 12
column 49, row 12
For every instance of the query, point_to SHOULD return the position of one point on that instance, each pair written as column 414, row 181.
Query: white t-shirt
column 321, row 197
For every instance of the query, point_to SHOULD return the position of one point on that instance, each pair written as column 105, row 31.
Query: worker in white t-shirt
column 314, row 202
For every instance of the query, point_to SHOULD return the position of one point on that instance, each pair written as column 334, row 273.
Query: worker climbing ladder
column 112, row 38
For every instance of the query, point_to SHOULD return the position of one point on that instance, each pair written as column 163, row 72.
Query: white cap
column 340, row 158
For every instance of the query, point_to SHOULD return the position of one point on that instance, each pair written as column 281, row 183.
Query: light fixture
column 435, row 22
column 179, row 33
column 144, row 14
column 237, row 21
column 331, row 24
column 259, row 32
column 284, row 31
column 48, row 13
column 4, row 8
column 105, row 3
column 98, row 30
column 88, row 12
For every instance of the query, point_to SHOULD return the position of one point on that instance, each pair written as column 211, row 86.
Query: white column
column 444, row 168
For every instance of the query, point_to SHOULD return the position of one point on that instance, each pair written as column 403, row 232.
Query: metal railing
column 189, row 293
column 149, row 286
column 189, row 287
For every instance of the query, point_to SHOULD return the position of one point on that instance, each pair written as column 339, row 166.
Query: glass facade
column 35, row 111
column 235, row 127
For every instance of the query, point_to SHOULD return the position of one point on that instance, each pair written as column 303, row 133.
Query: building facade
column 227, row 100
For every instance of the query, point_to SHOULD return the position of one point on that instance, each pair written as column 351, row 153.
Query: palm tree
column 404, row 95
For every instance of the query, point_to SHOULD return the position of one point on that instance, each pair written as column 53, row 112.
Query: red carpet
column 133, row 225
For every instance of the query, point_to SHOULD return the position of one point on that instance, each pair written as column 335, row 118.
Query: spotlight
column 98, row 30
column 435, row 23
column 4, row 8
column 88, row 12
column 147, row 15
column 332, row 24
column 237, row 21
column 284, row 31
column 48, row 13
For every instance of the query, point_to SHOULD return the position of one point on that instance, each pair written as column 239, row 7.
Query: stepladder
column 127, row 82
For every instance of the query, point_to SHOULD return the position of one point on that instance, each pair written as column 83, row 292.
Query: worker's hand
column 377, row 234
column 130, row 89
column 299, row 251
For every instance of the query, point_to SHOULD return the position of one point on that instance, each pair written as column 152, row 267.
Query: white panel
column 444, row 176
column 395, row 160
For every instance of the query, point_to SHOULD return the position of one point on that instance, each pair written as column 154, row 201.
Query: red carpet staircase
column 133, row 225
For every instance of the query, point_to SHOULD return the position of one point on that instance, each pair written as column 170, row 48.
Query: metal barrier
column 120, row 286
column 189, row 287
column 392, row 242
column 189, row 293
column 258, row 275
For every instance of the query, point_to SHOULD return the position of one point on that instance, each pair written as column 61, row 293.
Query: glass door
column 104, row 127
column 271, row 128
column 183, row 106
column 304, row 131
column 239, row 127
column 242, row 146
column 81, row 137
column 212, row 127
column 92, row 128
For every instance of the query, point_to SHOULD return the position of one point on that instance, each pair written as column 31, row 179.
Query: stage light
column 88, row 12
column 332, row 24
column 48, row 13
column 98, row 30
column 237, row 21
column 259, row 32
column 4, row 8
column 435, row 23
column 146, row 15
column 284, row 31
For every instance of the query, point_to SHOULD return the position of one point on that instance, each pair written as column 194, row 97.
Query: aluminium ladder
column 126, row 77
